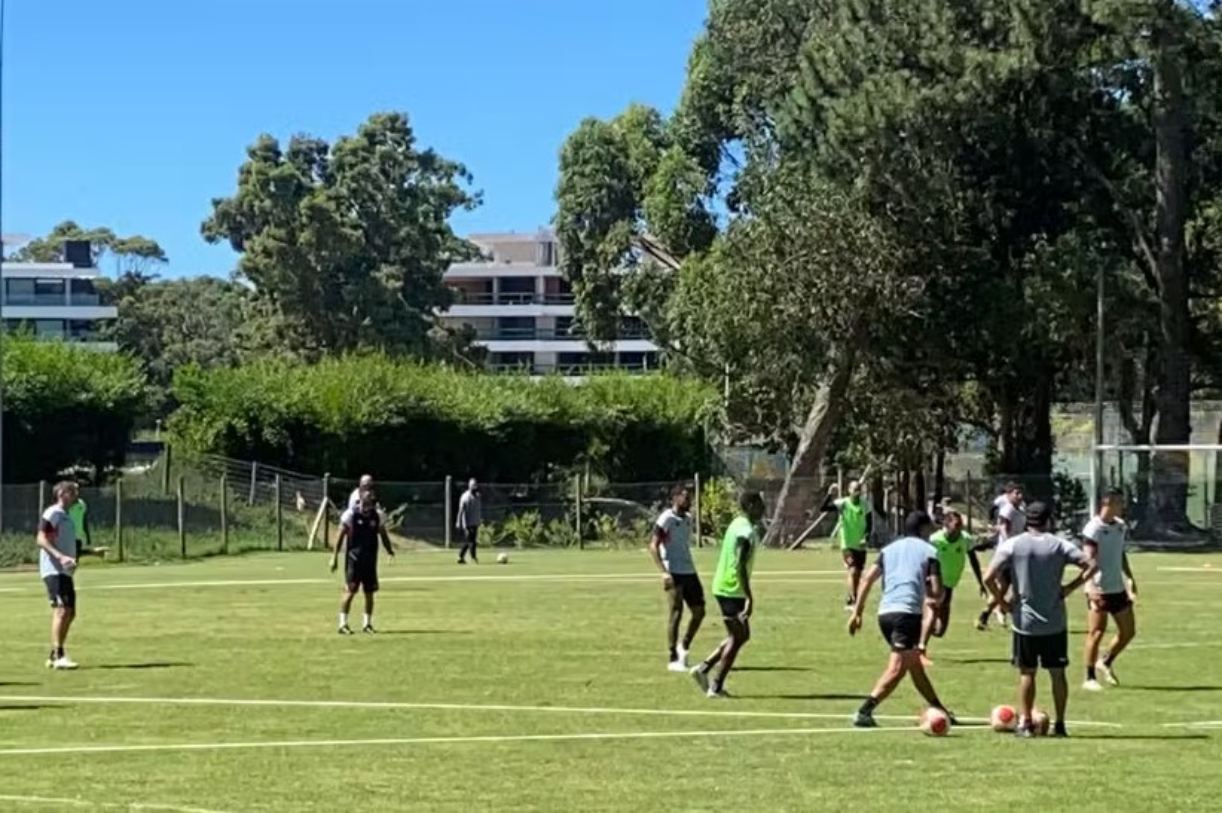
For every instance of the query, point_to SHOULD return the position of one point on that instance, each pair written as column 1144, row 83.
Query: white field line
column 391, row 704
column 491, row 738
column 70, row 802
column 1198, row 569
column 1195, row 724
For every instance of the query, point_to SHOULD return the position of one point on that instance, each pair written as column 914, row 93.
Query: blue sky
column 135, row 113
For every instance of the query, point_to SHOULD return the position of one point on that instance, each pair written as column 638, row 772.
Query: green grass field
column 220, row 685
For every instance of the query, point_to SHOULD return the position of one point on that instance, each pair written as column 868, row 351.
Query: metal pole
column 279, row 514
column 581, row 543
column 224, row 514
column 182, row 516
column 167, row 459
column 968, row 499
column 449, row 509
column 1097, row 457
column 696, row 505
column 254, row 478
column 119, row 517
column 42, row 495
column 326, row 512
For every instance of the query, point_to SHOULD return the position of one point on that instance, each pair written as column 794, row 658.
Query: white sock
column 366, row 619
column 343, row 619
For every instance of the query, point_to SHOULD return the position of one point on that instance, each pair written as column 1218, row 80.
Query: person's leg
column 740, row 634
column 694, row 620
column 883, row 687
column 462, row 552
column 1126, row 631
column 928, row 621
column 942, row 617
column 60, row 622
column 852, row 577
column 1060, row 695
column 1096, row 626
column 1026, row 695
column 674, row 615
column 345, row 604
column 473, row 541
column 367, row 621
column 916, row 670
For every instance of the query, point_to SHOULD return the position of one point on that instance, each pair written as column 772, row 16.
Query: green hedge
column 66, row 406
column 407, row 421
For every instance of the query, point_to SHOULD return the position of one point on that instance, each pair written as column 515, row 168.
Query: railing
column 573, row 370
column 39, row 300
column 550, row 334
column 507, row 298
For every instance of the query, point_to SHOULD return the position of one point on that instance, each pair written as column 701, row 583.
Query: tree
column 347, row 243
column 136, row 254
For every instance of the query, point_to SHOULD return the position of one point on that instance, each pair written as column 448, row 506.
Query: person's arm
column 656, row 541
column 1090, row 548
column 46, row 540
column 933, row 578
column 993, row 578
column 1128, row 574
column 85, row 533
column 863, row 592
column 390, row 549
column 460, row 521
column 974, row 561
column 829, row 500
column 744, row 578
column 1087, row 567
column 339, row 546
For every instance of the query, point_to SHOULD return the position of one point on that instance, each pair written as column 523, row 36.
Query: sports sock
column 343, row 619
column 674, row 654
column 59, row 652
column 1108, row 660
column 1090, row 672
column 869, row 705
column 366, row 620
column 984, row 617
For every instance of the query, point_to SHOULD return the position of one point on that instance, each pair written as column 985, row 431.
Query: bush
column 407, row 421
column 66, row 406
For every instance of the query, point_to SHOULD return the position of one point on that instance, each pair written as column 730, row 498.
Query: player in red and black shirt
column 361, row 530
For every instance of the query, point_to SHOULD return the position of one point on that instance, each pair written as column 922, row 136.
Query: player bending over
column 954, row 547
column 732, row 589
column 670, row 548
column 909, row 571
column 1112, row 591
column 361, row 530
column 1036, row 560
column 854, row 528
column 1011, row 521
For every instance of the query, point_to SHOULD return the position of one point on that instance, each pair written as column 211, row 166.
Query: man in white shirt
column 470, row 517
column 57, row 554
column 354, row 499
column 1011, row 521
column 670, row 548
column 1110, row 593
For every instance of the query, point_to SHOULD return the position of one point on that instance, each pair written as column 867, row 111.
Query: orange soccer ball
column 935, row 722
column 1004, row 718
column 1040, row 722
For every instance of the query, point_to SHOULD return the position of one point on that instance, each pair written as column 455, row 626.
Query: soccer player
column 354, row 499
column 855, row 526
column 1112, row 592
column 1011, row 521
column 79, row 514
column 1036, row 561
column 732, row 589
column 361, row 530
column 909, row 571
column 470, row 515
column 670, row 548
column 954, row 548
column 57, row 555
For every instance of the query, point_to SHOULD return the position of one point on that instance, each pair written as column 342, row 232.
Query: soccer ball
column 502, row 558
column 1004, row 718
column 935, row 723
column 1040, row 722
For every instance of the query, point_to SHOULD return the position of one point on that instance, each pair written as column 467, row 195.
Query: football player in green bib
column 853, row 530
column 732, row 589
column 955, row 549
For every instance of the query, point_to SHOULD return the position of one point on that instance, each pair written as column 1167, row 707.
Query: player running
column 361, row 530
column 670, row 548
column 732, row 589
column 954, row 548
column 1112, row 591
column 911, row 580
column 1036, row 561
column 57, row 555
column 1011, row 521
column 854, row 528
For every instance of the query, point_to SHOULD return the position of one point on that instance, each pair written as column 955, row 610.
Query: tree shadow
column 1175, row 688
column 17, row 683
column 13, row 707
column 972, row 660
column 146, row 665
column 421, row 632
column 772, row 669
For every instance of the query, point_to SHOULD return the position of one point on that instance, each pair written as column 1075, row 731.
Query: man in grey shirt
column 1036, row 561
column 470, row 515
column 57, row 554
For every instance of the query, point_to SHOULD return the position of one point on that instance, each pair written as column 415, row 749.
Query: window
column 49, row 328
column 83, row 292
column 565, row 327
column 19, row 291
column 515, row 327
column 546, row 253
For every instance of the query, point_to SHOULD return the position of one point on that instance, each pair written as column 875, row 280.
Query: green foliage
column 718, row 506
column 1071, row 501
column 407, row 421
column 136, row 254
column 66, row 406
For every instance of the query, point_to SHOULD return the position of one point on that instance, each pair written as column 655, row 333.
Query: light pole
column 3, row 284
column 1096, row 463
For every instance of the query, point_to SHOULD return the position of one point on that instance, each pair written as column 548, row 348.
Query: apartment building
column 56, row 301
column 522, row 310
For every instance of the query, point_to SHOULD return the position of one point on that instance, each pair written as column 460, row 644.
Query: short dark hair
column 1013, row 485
column 749, row 499
column 677, row 489
column 951, row 512
column 915, row 522
column 1108, row 493
column 1039, row 515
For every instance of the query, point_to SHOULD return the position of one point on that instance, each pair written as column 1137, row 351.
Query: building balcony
column 571, row 370
column 511, row 298
column 549, row 334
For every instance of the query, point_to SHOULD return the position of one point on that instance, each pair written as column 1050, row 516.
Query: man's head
column 855, row 490
column 1014, row 493
column 752, row 504
column 1039, row 516
column 680, row 498
column 472, row 485
column 952, row 521
column 366, row 482
column 918, row 524
column 66, row 493
column 369, row 501
column 1112, row 505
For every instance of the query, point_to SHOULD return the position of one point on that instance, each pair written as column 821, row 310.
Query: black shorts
column 902, row 631
column 731, row 608
column 471, row 535
column 854, row 557
column 1110, row 603
column 1047, row 651
column 362, row 574
column 61, row 590
column 689, row 587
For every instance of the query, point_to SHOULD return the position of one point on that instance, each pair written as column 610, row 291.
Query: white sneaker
column 701, row 677
column 682, row 653
column 676, row 666
column 63, row 662
column 716, row 694
column 1109, row 676
column 1000, row 616
column 1092, row 686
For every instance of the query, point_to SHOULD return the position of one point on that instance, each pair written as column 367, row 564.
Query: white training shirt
column 1016, row 516
column 676, row 532
column 1109, row 539
column 58, row 528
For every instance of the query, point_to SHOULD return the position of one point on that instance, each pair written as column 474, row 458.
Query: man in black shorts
column 362, row 531
column 671, row 551
column 1036, row 561
column 911, row 580
column 58, row 551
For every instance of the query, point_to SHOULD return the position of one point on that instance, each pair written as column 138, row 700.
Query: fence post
column 326, row 513
column 165, row 470
column 225, row 514
column 42, row 497
column 254, row 478
column 968, row 499
column 696, row 505
column 840, row 481
column 119, row 518
column 581, row 542
column 182, row 516
column 449, row 509
column 279, row 514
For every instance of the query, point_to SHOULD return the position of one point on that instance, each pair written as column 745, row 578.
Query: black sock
column 984, row 617
column 59, row 652
column 1090, row 672
column 868, row 706
column 674, row 654
column 1108, row 660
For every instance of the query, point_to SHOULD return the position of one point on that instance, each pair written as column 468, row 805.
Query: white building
column 522, row 310
column 57, row 301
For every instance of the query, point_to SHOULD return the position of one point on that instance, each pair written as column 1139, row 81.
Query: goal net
column 1174, row 493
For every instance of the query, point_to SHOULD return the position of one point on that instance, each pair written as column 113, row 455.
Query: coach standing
column 470, row 515
column 57, row 554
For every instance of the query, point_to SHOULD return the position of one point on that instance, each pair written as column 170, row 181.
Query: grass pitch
column 221, row 685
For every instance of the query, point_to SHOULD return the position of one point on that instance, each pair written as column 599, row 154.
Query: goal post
column 1163, row 479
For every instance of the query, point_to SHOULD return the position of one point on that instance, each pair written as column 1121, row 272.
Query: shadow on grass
column 1140, row 737
column 28, row 708
column 146, row 665
column 972, row 660
column 1175, row 688
column 813, row 696
column 18, row 683
column 421, row 632
column 772, row 669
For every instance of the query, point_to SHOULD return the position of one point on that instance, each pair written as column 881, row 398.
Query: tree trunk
column 1170, row 469
column 1139, row 428
column 801, row 487
column 922, row 491
column 939, row 477
column 1026, row 436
